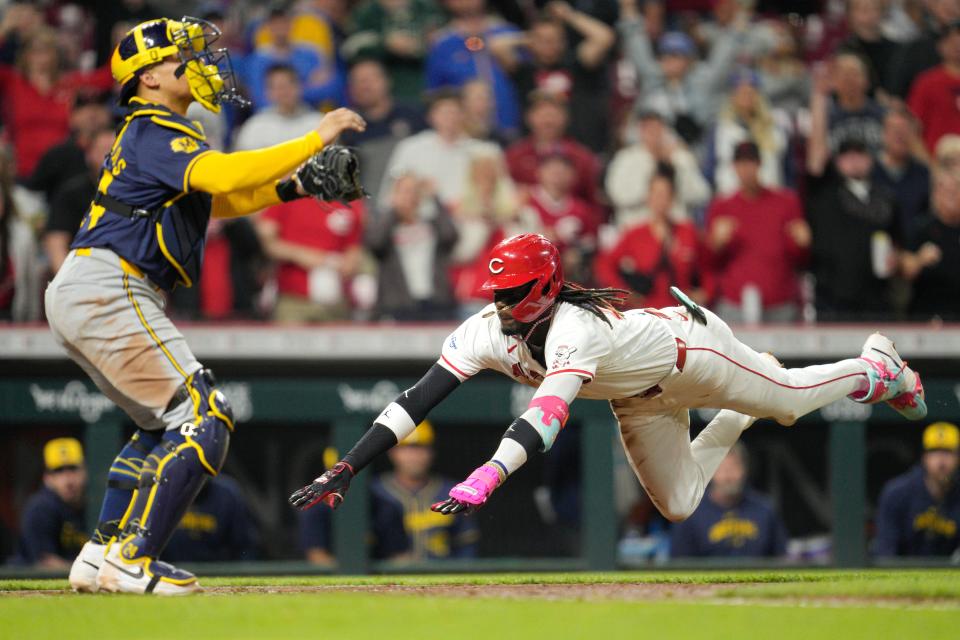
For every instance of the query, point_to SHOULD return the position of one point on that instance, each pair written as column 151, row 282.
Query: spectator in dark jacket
column 900, row 167
column 932, row 261
column 855, row 223
column 412, row 242
column 919, row 512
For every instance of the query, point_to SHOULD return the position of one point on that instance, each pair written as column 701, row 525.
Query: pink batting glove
column 470, row 494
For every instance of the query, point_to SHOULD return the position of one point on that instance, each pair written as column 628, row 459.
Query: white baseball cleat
column 83, row 572
column 891, row 380
column 119, row 574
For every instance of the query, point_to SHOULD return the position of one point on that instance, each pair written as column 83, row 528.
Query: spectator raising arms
column 841, row 108
column 396, row 33
column 757, row 238
column 933, row 97
column 656, row 253
column 901, row 167
column 933, row 262
column 552, row 66
column 854, row 222
column 746, row 116
column 412, row 241
column 630, row 172
column 675, row 83
column 461, row 52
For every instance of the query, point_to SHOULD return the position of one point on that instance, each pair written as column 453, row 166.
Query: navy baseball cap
column 677, row 43
column 744, row 75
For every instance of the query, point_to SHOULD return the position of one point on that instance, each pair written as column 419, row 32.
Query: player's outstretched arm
column 224, row 173
column 393, row 424
column 534, row 431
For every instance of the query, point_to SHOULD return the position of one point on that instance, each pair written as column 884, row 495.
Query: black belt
column 121, row 208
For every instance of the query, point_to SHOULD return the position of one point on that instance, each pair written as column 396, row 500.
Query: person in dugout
column 54, row 515
column 404, row 527
column 733, row 520
column 919, row 511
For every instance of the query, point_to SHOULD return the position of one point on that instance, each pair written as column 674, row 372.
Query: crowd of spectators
column 780, row 164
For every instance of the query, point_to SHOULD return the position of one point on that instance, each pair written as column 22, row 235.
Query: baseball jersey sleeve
column 577, row 343
column 169, row 155
column 466, row 351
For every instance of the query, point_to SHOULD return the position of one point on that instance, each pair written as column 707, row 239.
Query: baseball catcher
column 653, row 365
column 144, row 234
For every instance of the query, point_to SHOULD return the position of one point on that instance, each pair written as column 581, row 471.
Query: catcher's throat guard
column 209, row 71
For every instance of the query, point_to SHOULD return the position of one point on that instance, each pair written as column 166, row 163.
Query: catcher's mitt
column 333, row 173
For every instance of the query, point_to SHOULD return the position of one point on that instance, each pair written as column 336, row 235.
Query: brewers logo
column 186, row 144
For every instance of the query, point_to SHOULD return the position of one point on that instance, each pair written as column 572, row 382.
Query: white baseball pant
column 719, row 372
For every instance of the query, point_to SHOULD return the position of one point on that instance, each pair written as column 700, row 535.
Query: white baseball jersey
column 625, row 358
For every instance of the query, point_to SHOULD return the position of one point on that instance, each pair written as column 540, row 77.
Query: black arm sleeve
column 417, row 401
column 523, row 432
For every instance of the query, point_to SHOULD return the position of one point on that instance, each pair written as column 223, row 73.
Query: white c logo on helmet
column 496, row 266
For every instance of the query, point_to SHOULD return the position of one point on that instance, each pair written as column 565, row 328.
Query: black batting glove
column 452, row 506
column 330, row 488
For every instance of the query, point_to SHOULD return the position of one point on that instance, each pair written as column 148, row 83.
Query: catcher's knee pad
column 176, row 469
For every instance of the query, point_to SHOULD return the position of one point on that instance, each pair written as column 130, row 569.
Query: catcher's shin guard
column 122, row 480
column 177, row 468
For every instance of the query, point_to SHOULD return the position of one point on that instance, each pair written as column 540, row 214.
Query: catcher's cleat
column 122, row 574
column 891, row 380
column 83, row 572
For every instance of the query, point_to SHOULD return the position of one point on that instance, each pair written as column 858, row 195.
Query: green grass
column 764, row 604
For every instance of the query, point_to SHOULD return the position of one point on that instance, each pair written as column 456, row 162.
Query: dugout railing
column 342, row 375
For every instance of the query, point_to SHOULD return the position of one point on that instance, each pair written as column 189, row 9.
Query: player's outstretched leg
column 191, row 450
column 121, row 483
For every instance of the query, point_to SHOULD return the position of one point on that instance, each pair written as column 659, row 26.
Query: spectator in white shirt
column 287, row 118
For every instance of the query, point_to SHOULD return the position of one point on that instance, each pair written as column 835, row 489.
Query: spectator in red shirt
column 758, row 238
column 569, row 222
column 933, row 97
column 37, row 95
column 547, row 118
column 657, row 253
column 318, row 250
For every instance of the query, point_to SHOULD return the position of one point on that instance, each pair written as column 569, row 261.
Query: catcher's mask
column 208, row 71
column 526, row 259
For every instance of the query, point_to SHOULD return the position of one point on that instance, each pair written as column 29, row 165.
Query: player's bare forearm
column 395, row 422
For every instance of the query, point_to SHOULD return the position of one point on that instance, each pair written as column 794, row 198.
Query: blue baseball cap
column 677, row 43
column 744, row 75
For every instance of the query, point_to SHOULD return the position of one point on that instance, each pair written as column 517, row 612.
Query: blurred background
column 794, row 165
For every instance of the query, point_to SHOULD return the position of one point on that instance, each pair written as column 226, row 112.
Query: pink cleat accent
column 891, row 380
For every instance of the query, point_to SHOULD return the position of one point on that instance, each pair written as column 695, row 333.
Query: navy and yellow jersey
column 149, row 168
column 161, row 164
column 401, row 522
column 432, row 535
column 49, row 526
column 217, row 527
column 911, row 523
column 751, row 529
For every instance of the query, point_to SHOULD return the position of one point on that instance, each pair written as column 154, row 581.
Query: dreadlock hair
column 596, row 301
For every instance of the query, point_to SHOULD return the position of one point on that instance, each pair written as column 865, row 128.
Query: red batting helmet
column 519, row 260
